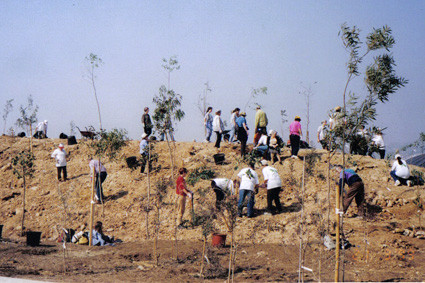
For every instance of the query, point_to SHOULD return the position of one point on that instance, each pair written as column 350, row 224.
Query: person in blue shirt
column 242, row 131
column 355, row 189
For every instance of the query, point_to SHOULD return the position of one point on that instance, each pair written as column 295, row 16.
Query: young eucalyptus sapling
column 8, row 107
column 28, row 117
column 23, row 168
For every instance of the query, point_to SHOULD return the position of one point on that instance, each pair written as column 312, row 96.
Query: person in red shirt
column 182, row 192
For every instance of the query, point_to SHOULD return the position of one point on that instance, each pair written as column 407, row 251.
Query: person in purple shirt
column 355, row 189
column 295, row 134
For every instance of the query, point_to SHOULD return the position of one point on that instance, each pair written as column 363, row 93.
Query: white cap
column 144, row 135
column 271, row 132
column 397, row 156
column 264, row 162
column 61, row 145
column 45, row 121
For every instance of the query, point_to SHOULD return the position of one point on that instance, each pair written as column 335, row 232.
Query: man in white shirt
column 248, row 186
column 274, row 185
column 60, row 156
column 222, row 187
column 321, row 134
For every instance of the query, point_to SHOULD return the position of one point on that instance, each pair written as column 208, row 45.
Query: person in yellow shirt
column 261, row 123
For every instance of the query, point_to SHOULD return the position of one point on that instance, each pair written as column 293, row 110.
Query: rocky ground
column 387, row 246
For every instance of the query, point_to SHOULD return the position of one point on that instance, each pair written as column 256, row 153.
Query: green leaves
column 28, row 114
column 199, row 173
column 110, row 143
column 167, row 108
column 94, row 60
column 23, row 164
column 381, row 79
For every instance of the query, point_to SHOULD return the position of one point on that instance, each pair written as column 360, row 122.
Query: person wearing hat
column 295, row 134
column 144, row 152
column 274, row 185
column 261, row 123
column 60, row 156
column 218, row 128
column 242, row 131
column 400, row 172
column 355, row 189
column 100, row 174
column 146, row 122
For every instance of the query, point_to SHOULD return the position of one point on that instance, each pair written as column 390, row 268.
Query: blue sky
column 234, row 45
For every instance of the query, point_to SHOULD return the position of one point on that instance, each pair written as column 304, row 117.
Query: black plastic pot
column 1, row 230
column 219, row 158
column 72, row 140
column 33, row 238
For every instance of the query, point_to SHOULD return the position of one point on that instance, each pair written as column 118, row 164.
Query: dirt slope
column 52, row 205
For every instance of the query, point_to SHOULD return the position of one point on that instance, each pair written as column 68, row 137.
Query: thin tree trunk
column 95, row 96
column 92, row 207
column 201, row 273
column 171, row 156
column 23, row 204
column 300, row 259
column 230, row 258
column 149, row 192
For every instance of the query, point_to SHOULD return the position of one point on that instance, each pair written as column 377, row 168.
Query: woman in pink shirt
column 295, row 136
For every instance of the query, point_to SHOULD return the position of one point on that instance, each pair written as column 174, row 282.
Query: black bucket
column 219, row 158
column 33, row 238
column 72, row 140
column 1, row 230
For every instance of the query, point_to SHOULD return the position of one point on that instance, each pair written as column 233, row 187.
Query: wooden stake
column 337, row 205
column 92, row 208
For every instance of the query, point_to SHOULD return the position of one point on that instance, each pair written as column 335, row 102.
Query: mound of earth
column 391, row 237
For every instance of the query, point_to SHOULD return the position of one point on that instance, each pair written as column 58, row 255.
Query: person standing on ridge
column 295, row 134
column 242, row 131
column 233, row 125
column 146, row 122
column 261, row 123
column 218, row 128
column 208, row 121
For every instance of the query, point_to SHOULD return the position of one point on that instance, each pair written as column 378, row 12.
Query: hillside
column 52, row 205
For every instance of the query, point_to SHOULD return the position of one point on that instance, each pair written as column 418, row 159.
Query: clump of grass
column 199, row 173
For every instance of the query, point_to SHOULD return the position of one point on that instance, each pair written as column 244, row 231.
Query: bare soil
column 382, row 248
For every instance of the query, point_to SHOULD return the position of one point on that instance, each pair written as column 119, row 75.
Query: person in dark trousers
column 218, row 128
column 295, row 136
column 274, row 186
column 222, row 187
column 60, row 156
column 100, row 175
column 242, row 131
column 146, row 122
column 355, row 189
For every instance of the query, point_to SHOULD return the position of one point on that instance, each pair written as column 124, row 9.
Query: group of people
column 100, row 174
column 361, row 142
